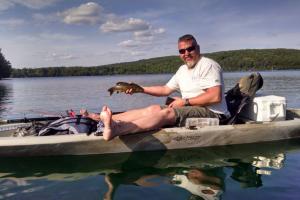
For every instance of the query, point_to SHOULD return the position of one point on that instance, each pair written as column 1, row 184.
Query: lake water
column 259, row 171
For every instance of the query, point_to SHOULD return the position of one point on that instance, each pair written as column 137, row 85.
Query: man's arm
column 158, row 90
column 211, row 96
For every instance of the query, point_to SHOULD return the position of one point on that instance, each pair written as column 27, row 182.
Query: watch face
column 169, row 100
column 186, row 103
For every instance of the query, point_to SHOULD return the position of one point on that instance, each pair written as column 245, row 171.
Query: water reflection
column 181, row 174
column 4, row 91
column 207, row 184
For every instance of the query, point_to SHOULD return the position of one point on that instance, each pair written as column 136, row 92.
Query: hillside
column 237, row 60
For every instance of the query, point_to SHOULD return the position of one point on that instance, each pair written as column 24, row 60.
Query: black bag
column 62, row 126
column 31, row 130
column 241, row 95
column 69, row 125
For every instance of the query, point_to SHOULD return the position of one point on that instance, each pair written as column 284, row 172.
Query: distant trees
column 238, row 60
column 258, row 59
column 150, row 66
column 5, row 67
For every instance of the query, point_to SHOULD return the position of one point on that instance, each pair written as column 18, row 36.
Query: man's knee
column 152, row 109
column 169, row 114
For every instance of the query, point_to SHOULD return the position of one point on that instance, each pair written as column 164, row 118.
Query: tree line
column 5, row 67
column 236, row 60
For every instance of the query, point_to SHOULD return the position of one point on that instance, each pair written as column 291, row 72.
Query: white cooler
column 266, row 109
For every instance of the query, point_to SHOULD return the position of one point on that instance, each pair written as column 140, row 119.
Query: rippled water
column 34, row 96
column 257, row 171
column 261, row 171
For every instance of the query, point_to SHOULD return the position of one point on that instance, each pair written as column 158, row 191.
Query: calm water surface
column 260, row 171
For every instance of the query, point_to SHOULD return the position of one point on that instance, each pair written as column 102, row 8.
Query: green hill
column 237, row 60
column 258, row 59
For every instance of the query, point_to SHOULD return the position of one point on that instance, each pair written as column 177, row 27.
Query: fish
column 123, row 86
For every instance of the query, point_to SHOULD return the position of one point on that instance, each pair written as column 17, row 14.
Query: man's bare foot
column 106, row 118
column 93, row 116
column 84, row 112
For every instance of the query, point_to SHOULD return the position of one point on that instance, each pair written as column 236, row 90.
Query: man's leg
column 135, row 114
column 127, row 116
column 154, row 121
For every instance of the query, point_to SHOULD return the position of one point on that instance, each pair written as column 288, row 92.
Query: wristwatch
column 187, row 102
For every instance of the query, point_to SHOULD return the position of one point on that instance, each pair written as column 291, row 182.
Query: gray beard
column 190, row 65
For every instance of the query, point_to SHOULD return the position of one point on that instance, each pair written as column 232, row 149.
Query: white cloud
column 58, row 36
column 56, row 56
column 142, row 39
column 148, row 34
column 89, row 13
column 47, row 38
column 4, row 5
column 34, row 4
column 137, row 53
column 129, row 43
column 12, row 22
column 159, row 31
column 45, row 17
column 124, row 25
column 142, row 34
column 92, row 13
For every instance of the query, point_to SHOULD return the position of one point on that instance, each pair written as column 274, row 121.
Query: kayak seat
column 240, row 96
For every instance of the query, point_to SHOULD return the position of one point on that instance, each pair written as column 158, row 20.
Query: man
column 200, row 82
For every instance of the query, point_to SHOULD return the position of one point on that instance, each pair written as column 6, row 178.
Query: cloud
column 56, row 56
column 4, row 5
column 142, row 34
column 130, row 43
column 148, row 34
column 34, row 4
column 93, row 13
column 124, row 25
column 12, row 22
column 137, row 53
column 44, row 18
column 89, row 13
column 58, row 36
column 47, row 38
column 159, row 31
column 142, row 39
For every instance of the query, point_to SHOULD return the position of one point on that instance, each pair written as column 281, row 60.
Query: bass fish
column 123, row 86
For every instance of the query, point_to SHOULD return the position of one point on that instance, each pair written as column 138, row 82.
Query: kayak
column 163, row 139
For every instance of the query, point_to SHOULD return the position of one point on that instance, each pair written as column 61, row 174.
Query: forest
column 5, row 67
column 235, row 60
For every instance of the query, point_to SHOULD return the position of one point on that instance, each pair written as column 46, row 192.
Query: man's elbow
column 215, row 95
column 216, row 100
column 167, row 91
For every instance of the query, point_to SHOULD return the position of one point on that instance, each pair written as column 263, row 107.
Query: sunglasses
column 189, row 49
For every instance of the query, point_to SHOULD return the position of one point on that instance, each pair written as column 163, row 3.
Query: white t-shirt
column 191, row 82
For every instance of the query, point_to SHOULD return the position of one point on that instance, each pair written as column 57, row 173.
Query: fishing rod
column 35, row 119
column 29, row 119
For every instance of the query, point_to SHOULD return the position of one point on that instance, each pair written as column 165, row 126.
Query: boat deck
column 163, row 139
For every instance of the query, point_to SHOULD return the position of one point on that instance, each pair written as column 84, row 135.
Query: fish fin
column 111, row 91
column 122, row 83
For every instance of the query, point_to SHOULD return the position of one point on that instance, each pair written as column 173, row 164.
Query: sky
column 47, row 33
